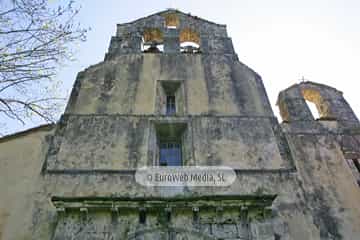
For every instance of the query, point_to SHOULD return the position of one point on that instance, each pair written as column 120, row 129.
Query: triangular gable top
column 311, row 84
column 169, row 11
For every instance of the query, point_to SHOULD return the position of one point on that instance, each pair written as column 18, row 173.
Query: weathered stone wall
column 329, row 191
column 318, row 201
column 321, row 148
column 218, row 85
column 126, row 142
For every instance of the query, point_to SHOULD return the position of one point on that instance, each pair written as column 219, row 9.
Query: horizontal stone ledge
column 242, row 202
column 133, row 171
column 319, row 120
column 163, row 116
column 205, row 53
column 88, row 171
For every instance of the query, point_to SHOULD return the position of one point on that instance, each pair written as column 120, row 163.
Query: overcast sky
column 282, row 40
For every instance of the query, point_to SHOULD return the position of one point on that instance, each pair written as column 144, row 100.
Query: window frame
column 170, row 104
column 172, row 147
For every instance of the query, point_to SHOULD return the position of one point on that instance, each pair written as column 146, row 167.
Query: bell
column 153, row 48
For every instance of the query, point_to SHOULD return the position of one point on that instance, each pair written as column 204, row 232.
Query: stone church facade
column 172, row 85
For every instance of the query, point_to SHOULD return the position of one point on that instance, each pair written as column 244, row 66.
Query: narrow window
column 170, row 154
column 354, row 165
column 142, row 217
column 168, row 216
column 170, row 105
column 196, row 217
column 171, row 97
column 357, row 164
column 313, row 109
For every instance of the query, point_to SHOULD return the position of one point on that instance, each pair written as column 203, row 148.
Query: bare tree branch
column 35, row 39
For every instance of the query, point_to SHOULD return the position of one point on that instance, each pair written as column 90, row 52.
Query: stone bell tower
column 171, row 91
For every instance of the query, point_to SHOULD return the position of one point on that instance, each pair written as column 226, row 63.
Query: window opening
column 168, row 216
column 170, row 105
column 171, row 98
column 354, row 165
column 196, row 216
column 318, row 107
column 170, row 143
column 357, row 164
column 170, row 154
column 142, row 217
column 313, row 109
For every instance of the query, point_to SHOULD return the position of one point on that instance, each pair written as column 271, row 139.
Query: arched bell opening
column 172, row 21
column 189, row 41
column 316, row 104
column 152, row 41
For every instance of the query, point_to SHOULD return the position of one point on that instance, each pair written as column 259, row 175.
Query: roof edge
column 42, row 127
column 171, row 10
column 299, row 84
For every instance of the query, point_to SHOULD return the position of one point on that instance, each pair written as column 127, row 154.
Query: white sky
column 282, row 40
